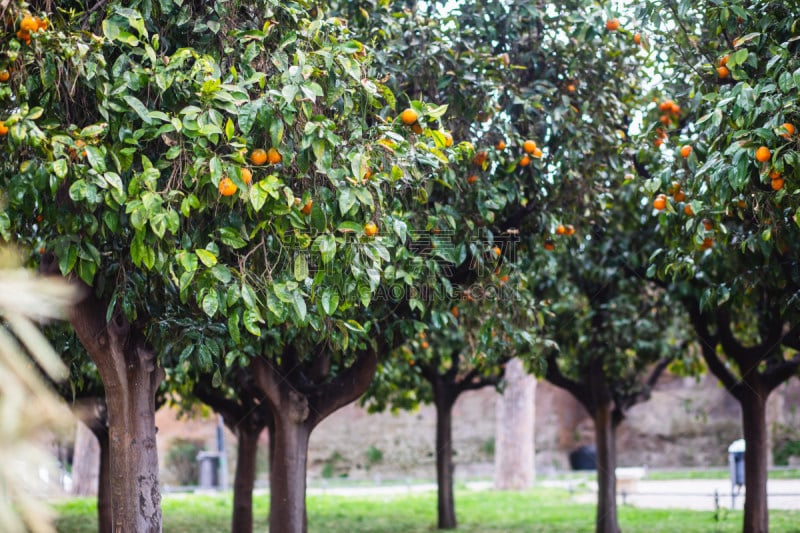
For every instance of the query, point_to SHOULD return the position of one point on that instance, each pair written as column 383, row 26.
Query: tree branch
column 782, row 372
column 581, row 392
column 344, row 388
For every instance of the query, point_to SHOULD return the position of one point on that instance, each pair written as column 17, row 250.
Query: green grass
column 666, row 475
column 538, row 511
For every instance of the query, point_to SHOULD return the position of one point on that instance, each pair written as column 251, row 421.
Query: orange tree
column 613, row 332
column 731, row 239
column 131, row 162
column 539, row 104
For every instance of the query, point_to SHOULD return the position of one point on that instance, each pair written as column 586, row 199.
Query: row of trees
column 277, row 207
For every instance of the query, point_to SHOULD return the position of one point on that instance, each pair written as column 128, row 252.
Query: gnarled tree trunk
column 295, row 415
column 130, row 378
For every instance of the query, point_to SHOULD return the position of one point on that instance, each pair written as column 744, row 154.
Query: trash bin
column 736, row 461
column 583, row 458
column 736, row 464
column 209, row 469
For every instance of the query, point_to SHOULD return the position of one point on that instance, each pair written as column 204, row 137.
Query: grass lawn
column 538, row 511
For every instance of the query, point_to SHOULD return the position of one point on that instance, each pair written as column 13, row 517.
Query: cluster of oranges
column 670, row 112
column 678, row 195
column 259, row 156
column 28, row 25
column 722, row 67
column 613, row 24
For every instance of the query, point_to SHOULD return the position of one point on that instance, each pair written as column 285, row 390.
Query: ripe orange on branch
column 788, row 130
column 247, row 176
column 612, row 24
column 529, row 146
column 273, row 156
column 660, row 203
column 258, row 156
column 763, row 154
column 409, row 116
column 686, row 150
column 370, row 229
column 227, row 187
column 524, row 161
column 723, row 72
column 3, row 129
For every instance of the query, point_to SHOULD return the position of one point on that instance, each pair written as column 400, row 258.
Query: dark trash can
column 583, row 458
column 209, row 470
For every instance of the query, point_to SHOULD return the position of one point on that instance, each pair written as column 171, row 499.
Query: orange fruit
column 454, row 311
column 497, row 251
column 763, row 154
column 368, row 173
column 774, row 174
column 549, row 246
column 637, row 39
column 707, row 224
column 661, row 133
column 425, row 345
column 370, row 229
column 247, row 176
column 665, row 106
column 529, row 146
column 416, row 128
column 788, row 127
column 674, row 108
column 571, row 87
column 723, row 60
column 660, row 202
column 409, row 116
column 448, row 139
column 679, row 196
column 665, row 120
column 3, row 129
column 524, row 161
column 480, row 158
column 473, row 178
column 723, row 72
column 4, row 76
column 537, row 153
column 561, row 229
column 708, row 242
column 688, row 210
column 570, row 230
column 504, row 279
column 41, row 25
column 777, row 184
column 612, row 24
column 28, row 24
column 686, row 150
column 500, row 145
column 658, row 142
column 258, row 156
column 306, row 210
column 227, row 187
column 273, row 156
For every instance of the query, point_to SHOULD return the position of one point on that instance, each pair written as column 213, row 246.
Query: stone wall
column 686, row 423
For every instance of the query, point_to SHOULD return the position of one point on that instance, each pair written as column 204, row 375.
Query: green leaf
column 138, row 107
column 251, row 321
column 329, row 300
column 326, row 244
column 208, row 258
column 210, row 303
column 232, row 237
column 60, row 168
column 233, row 327
column 346, row 200
column 229, row 129
column 300, row 267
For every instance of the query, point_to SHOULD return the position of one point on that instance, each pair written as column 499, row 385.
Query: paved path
column 695, row 494
column 691, row 494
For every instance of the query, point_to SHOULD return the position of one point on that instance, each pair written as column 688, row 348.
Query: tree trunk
column 130, row 376
column 242, row 521
column 85, row 462
column 514, row 467
column 295, row 414
column 754, row 425
column 605, row 441
column 446, row 507
column 104, row 513
column 287, row 504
